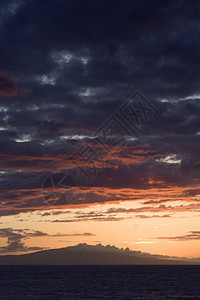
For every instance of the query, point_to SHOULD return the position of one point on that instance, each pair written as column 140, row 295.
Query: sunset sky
column 99, row 125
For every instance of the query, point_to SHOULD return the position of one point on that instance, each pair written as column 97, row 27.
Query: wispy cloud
column 15, row 238
column 190, row 236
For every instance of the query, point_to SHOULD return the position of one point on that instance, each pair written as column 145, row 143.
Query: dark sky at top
column 67, row 65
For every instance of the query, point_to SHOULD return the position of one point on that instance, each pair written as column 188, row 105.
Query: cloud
column 107, row 215
column 78, row 74
column 153, row 216
column 190, row 236
column 86, row 234
column 8, row 87
column 15, row 238
column 96, row 219
column 181, row 199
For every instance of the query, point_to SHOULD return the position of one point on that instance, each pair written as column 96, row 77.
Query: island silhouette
column 83, row 254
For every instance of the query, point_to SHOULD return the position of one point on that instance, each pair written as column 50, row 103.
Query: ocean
column 99, row 282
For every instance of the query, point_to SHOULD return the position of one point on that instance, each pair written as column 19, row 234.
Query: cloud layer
column 67, row 66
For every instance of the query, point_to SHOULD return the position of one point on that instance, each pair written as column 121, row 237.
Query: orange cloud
column 25, row 200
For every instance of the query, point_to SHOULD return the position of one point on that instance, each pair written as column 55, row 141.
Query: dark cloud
column 192, row 235
column 76, row 234
column 103, row 219
column 69, row 66
column 8, row 87
column 112, row 214
column 15, row 239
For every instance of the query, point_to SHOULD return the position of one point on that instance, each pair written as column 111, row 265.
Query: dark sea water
column 99, row 282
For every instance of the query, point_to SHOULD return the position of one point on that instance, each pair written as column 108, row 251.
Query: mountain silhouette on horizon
column 83, row 254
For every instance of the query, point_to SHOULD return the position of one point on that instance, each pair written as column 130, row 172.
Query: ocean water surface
column 99, row 282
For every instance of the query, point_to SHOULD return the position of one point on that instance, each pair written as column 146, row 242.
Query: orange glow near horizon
column 123, row 224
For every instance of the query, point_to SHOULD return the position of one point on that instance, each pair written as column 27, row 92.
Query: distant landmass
column 83, row 254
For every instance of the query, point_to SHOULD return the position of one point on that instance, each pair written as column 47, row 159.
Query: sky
column 99, row 125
